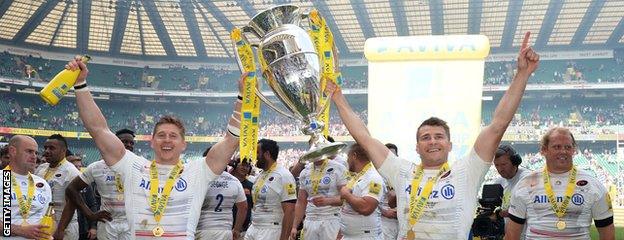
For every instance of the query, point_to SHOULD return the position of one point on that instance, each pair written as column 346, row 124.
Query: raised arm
column 111, row 148
column 491, row 135
column 376, row 150
column 218, row 159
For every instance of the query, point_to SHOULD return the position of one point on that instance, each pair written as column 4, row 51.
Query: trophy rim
column 271, row 9
column 323, row 152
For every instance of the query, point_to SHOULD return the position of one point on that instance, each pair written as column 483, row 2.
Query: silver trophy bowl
column 291, row 68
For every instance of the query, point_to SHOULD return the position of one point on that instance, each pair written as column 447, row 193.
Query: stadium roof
column 198, row 29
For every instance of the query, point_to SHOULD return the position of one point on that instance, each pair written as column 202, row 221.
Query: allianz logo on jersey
column 180, row 186
column 577, row 199
column 447, row 192
column 110, row 178
column 39, row 197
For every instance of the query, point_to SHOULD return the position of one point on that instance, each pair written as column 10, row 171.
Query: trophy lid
column 274, row 17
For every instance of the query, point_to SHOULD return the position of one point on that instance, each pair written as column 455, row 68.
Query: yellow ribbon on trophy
column 323, row 40
column 250, row 109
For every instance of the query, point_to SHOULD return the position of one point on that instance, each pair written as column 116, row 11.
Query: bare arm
column 66, row 216
column 296, row 169
column 73, row 194
column 241, row 214
column 300, row 206
column 607, row 233
column 218, row 159
column 363, row 205
column 513, row 230
column 376, row 150
column 287, row 220
column 491, row 135
column 110, row 146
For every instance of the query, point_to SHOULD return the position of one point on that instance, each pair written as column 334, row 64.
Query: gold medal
column 561, row 225
column 411, row 235
column 158, row 231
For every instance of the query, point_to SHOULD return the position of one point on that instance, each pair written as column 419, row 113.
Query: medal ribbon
column 418, row 202
column 315, row 176
column 323, row 40
column 158, row 202
column 50, row 171
column 250, row 109
column 357, row 176
column 261, row 182
column 118, row 183
column 561, row 209
column 24, row 205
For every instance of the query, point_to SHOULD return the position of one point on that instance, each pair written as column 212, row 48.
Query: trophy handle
column 272, row 106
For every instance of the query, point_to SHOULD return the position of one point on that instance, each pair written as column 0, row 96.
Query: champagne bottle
column 48, row 220
column 60, row 84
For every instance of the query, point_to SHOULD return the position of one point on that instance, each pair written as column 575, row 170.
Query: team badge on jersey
column 290, row 189
column 41, row 198
column 578, row 199
column 39, row 185
column 581, row 183
column 181, row 185
column 448, row 191
column 326, row 180
column 374, row 188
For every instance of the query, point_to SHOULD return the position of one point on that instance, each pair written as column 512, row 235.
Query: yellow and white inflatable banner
column 413, row 78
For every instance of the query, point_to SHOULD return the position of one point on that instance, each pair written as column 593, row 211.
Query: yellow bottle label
column 60, row 85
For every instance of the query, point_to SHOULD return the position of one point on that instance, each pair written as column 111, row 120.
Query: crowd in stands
column 29, row 111
column 562, row 71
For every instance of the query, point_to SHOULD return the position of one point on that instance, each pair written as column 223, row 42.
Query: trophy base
column 322, row 152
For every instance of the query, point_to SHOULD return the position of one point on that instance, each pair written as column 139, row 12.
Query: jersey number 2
column 218, row 207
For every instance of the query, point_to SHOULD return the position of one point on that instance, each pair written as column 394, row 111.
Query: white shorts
column 389, row 229
column 214, row 234
column 72, row 231
column 116, row 229
column 365, row 235
column 262, row 233
column 320, row 230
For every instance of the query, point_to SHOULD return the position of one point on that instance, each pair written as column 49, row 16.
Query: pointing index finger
column 525, row 42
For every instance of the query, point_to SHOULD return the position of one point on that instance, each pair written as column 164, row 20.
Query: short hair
column 269, row 145
column 124, row 131
column 4, row 150
column 546, row 138
column 330, row 139
column 74, row 158
column 168, row 119
column 434, row 121
column 392, row 146
column 58, row 137
column 359, row 151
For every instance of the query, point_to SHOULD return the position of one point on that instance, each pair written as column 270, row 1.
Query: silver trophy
column 291, row 68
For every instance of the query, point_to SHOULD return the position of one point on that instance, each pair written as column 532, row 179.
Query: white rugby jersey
column 182, row 213
column 509, row 185
column 385, row 206
column 453, row 201
column 105, row 179
column 41, row 198
column 589, row 201
column 368, row 185
column 59, row 181
column 279, row 187
column 223, row 193
column 334, row 175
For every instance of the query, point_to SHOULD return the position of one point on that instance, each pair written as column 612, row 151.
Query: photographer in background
column 507, row 163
